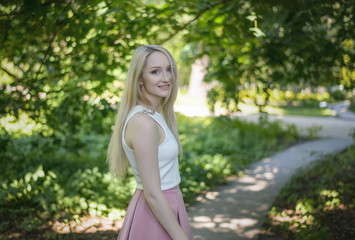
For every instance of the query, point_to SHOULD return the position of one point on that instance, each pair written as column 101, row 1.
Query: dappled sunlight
column 234, row 223
column 257, row 186
column 254, row 183
column 234, row 215
column 267, row 176
column 208, row 196
column 317, row 202
column 66, row 66
column 212, row 195
column 239, row 208
column 90, row 224
column 248, row 108
column 21, row 125
column 223, row 223
column 204, row 222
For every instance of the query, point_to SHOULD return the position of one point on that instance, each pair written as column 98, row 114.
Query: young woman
column 146, row 137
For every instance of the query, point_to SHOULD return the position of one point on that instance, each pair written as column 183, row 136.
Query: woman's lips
column 164, row 86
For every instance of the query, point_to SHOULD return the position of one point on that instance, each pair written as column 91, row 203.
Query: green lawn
column 300, row 111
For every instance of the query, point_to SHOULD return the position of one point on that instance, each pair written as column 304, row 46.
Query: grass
column 302, row 111
column 286, row 110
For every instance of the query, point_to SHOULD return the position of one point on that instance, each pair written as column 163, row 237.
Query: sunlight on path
column 236, row 211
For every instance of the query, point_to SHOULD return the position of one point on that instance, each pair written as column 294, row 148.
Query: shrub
column 63, row 176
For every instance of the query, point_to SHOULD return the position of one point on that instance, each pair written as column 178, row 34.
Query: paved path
column 236, row 211
column 341, row 110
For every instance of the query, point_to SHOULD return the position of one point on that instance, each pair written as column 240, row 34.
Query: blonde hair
column 116, row 157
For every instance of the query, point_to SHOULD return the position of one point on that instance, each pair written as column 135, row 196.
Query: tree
column 59, row 58
column 269, row 44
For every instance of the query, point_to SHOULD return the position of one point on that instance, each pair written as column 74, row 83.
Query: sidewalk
column 236, row 211
column 341, row 109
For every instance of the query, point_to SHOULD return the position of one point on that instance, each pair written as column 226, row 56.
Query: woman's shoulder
column 141, row 121
column 141, row 116
column 141, row 127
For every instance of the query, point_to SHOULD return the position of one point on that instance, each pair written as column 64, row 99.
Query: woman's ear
column 140, row 82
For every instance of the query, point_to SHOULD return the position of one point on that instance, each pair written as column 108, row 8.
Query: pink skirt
column 141, row 224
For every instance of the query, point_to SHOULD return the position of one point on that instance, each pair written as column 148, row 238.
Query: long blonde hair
column 116, row 156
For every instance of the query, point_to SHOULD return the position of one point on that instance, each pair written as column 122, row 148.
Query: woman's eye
column 169, row 70
column 154, row 71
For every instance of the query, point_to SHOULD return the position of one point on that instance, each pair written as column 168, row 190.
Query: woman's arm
column 143, row 135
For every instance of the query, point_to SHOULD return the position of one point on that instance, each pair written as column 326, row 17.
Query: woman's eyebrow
column 159, row 66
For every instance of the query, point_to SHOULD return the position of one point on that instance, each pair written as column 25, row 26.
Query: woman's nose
column 166, row 76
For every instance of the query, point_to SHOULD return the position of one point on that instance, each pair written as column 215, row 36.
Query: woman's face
column 156, row 81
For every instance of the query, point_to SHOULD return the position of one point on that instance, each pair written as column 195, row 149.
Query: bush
column 338, row 95
column 64, row 176
column 352, row 104
column 44, row 181
column 218, row 147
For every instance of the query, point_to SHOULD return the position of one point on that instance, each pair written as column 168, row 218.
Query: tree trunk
column 198, row 88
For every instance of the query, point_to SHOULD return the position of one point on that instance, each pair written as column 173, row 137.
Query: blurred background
column 62, row 70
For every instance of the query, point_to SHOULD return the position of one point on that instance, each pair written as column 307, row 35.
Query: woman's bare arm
column 143, row 135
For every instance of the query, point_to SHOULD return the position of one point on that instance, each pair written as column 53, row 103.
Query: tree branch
column 199, row 14
column 9, row 14
column 56, row 1
column 46, row 53
column 10, row 74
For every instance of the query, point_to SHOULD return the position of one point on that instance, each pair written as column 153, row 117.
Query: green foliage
column 313, row 131
column 338, row 95
column 60, row 178
column 217, row 147
column 316, row 197
column 266, row 45
column 352, row 104
column 58, row 58
column 46, row 180
column 62, row 62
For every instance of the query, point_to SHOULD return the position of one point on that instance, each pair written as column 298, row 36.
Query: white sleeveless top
column 167, row 152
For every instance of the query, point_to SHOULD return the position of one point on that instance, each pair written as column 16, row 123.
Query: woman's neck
column 155, row 107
